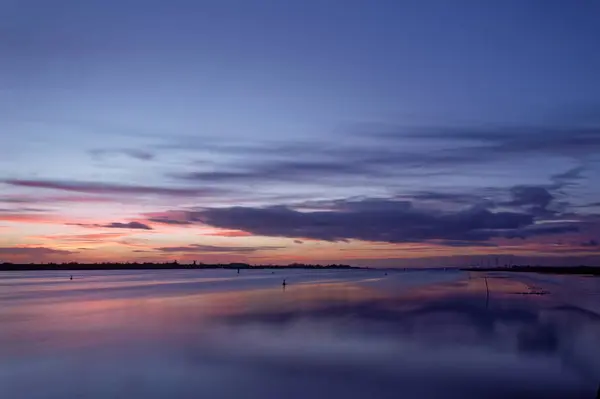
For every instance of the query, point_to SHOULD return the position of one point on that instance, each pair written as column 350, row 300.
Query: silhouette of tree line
column 174, row 265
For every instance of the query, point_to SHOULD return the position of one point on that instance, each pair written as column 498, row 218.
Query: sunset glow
column 403, row 137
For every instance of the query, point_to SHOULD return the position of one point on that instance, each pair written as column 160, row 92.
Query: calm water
column 342, row 334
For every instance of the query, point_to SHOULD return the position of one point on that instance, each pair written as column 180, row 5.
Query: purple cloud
column 385, row 156
column 32, row 251
column 369, row 220
column 106, row 188
column 538, row 230
column 170, row 221
column 138, row 154
column 115, row 225
column 130, row 225
column 590, row 243
column 52, row 199
column 535, row 197
column 22, row 210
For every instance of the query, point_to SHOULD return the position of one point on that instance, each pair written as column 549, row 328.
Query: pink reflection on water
column 398, row 329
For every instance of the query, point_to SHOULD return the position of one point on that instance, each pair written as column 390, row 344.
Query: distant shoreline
column 565, row 270
column 573, row 270
column 160, row 266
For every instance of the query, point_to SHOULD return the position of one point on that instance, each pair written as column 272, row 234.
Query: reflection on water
column 347, row 334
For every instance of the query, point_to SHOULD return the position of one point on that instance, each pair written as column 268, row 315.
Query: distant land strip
column 160, row 266
column 585, row 270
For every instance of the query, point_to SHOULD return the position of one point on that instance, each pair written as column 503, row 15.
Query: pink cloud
column 82, row 238
column 29, row 218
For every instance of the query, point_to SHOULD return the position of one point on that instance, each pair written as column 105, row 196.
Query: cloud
column 455, row 243
column 569, row 249
column 590, row 205
column 51, row 199
column 340, row 167
column 530, row 195
column 33, row 251
column 415, row 217
column 129, row 225
column 115, row 225
column 169, row 221
column 22, row 210
column 514, row 140
column 216, row 249
column 535, row 198
column 82, row 238
column 568, row 178
column 187, row 218
column 280, row 170
column 380, row 220
column 382, row 154
column 538, row 230
column 590, row 243
column 138, row 154
column 442, row 218
column 106, row 188
column 170, row 217
column 227, row 233
column 29, row 217
column 457, row 198
column 446, row 144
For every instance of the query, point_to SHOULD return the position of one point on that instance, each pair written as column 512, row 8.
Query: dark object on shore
column 71, row 278
column 238, row 271
column 284, row 283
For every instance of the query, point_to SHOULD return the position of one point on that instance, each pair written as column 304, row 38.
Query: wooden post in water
column 487, row 293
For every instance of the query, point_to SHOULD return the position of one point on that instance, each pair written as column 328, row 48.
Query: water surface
column 328, row 334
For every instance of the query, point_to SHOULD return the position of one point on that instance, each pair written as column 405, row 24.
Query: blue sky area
column 375, row 133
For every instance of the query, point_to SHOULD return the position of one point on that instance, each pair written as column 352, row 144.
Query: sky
column 387, row 133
